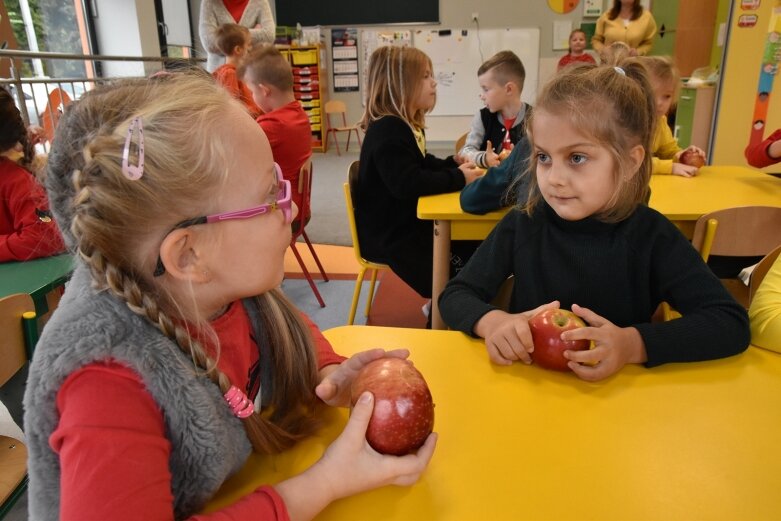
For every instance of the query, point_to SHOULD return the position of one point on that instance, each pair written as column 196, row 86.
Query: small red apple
column 547, row 327
column 403, row 414
column 691, row 158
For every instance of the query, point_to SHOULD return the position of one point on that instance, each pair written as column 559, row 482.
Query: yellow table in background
column 682, row 200
column 682, row 441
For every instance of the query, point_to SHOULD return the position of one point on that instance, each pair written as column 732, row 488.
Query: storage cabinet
column 694, row 116
column 309, row 87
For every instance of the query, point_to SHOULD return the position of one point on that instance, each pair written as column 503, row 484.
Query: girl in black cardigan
column 585, row 241
column 395, row 169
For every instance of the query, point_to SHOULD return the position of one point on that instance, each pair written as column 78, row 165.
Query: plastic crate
column 314, row 119
column 304, row 57
column 308, row 104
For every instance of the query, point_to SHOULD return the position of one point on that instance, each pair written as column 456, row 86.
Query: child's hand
column 614, row 346
column 459, row 159
column 684, row 170
column 491, row 157
column 334, row 387
column 351, row 466
column 507, row 336
column 470, row 171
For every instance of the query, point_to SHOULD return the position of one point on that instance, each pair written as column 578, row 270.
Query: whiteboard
column 457, row 54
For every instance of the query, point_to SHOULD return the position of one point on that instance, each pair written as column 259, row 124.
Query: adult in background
column 626, row 22
column 255, row 15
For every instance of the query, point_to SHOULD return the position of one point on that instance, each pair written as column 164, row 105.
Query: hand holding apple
column 692, row 156
column 403, row 414
column 336, row 380
column 546, row 328
column 613, row 346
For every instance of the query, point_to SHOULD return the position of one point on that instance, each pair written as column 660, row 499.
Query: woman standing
column 626, row 22
column 255, row 15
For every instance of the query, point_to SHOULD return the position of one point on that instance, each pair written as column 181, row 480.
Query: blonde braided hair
column 108, row 219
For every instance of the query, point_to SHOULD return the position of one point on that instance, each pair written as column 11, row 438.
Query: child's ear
column 181, row 257
column 636, row 155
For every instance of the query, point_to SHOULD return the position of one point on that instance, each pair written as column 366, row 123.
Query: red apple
column 691, row 158
column 403, row 414
column 547, row 327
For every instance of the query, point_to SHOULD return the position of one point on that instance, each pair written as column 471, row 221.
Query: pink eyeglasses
column 284, row 202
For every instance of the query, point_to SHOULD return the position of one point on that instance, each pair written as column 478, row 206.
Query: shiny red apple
column 403, row 414
column 692, row 158
column 546, row 328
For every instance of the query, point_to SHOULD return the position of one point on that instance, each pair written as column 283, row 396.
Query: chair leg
column 349, row 135
column 371, row 292
column 336, row 142
column 356, row 296
column 358, row 135
column 314, row 256
column 307, row 275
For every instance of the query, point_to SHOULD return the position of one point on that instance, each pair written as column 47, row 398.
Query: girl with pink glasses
column 172, row 355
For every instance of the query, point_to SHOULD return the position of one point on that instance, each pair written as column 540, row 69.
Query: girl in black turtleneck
column 585, row 241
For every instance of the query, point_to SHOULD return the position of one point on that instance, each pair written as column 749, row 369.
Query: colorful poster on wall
column 344, row 51
column 562, row 6
column 771, row 57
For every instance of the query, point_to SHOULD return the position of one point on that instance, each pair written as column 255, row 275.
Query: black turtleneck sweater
column 621, row 271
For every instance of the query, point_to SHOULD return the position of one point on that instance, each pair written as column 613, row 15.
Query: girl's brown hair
column 13, row 130
column 614, row 106
column 115, row 225
column 393, row 83
column 637, row 10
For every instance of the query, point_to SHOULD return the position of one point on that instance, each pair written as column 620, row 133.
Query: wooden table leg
column 441, row 271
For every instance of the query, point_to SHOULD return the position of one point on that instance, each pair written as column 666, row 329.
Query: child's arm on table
column 350, row 466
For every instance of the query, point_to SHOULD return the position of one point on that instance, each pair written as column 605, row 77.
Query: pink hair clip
column 134, row 172
column 239, row 403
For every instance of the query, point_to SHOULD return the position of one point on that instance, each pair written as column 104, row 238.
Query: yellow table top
column 683, row 441
column 678, row 198
column 715, row 187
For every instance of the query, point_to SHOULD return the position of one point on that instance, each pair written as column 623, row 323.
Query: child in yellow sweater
column 668, row 157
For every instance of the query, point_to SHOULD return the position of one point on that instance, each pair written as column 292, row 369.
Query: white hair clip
column 620, row 71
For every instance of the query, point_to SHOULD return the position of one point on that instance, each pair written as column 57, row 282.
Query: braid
column 96, row 204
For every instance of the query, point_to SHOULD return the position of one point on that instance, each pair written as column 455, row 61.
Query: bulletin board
column 457, row 54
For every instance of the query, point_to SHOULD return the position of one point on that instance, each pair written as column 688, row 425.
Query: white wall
column 127, row 28
column 457, row 14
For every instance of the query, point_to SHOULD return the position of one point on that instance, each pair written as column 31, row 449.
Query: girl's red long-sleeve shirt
column 27, row 230
column 112, row 442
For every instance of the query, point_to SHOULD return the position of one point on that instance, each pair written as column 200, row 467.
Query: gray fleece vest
column 208, row 443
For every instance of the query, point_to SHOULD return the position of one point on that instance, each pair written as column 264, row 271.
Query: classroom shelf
column 309, row 86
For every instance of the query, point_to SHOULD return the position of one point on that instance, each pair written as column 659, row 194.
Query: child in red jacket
column 27, row 230
column 234, row 42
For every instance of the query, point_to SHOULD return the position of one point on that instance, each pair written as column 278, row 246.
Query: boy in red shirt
column 233, row 41
column 270, row 79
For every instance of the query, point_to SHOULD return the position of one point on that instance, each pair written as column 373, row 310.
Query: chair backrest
column 738, row 232
column 336, row 106
column 460, row 142
column 760, row 270
column 305, row 189
column 349, row 186
column 13, row 340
